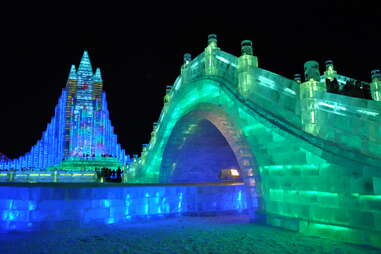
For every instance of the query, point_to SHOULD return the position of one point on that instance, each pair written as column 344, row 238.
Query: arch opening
column 198, row 152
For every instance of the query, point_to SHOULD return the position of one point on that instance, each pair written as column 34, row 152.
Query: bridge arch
column 310, row 180
column 206, row 135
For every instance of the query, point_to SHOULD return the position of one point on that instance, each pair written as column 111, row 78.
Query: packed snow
column 221, row 234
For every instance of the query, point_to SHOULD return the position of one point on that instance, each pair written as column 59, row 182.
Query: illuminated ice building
column 80, row 135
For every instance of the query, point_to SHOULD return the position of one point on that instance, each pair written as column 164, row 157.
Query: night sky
column 140, row 48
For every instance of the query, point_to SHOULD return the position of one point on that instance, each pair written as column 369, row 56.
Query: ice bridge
column 310, row 160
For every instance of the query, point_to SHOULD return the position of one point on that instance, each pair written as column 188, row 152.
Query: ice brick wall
column 325, row 200
column 37, row 207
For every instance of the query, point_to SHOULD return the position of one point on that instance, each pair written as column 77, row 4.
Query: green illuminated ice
column 311, row 160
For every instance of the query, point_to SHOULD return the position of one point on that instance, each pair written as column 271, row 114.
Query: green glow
column 88, row 163
column 375, row 88
column 246, row 79
column 375, row 197
column 330, row 73
column 329, row 227
column 285, row 167
column 298, row 196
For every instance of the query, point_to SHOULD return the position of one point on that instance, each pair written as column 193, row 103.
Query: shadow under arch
column 207, row 134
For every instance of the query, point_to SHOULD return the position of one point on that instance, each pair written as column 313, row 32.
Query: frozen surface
column 222, row 234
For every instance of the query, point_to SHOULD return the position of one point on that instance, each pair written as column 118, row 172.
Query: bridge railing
column 351, row 122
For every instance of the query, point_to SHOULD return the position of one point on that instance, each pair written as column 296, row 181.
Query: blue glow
column 157, row 203
column 9, row 215
column 146, row 204
column 110, row 221
column 11, row 204
column 31, row 206
column 127, row 204
column 106, row 203
column 165, row 205
column 239, row 201
column 180, row 204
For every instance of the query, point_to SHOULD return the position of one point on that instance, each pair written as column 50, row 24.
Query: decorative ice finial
column 212, row 40
column 329, row 64
column 311, row 71
column 376, row 74
column 330, row 72
column 97, row 76
column 187, row 58
column 72, row 74
column 298, row 77
column 85, row 65
column 247, row 47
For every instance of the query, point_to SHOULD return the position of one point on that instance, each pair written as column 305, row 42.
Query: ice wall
column 26, row 207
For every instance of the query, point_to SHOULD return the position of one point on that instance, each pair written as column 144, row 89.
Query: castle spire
column 85, row 65
column 72, row 74
column 97, row 76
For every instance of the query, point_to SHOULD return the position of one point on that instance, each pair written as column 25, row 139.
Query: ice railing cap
column 247, row 47
column 298, row 77
column 187, row 58
column 311, row 70
column 212, row 39
column 328, row 63
column 376, row 74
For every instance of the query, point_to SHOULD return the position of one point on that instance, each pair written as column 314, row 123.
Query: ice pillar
column 210, row 55
column 308, row 91
column 246, row 62
column 375, row 85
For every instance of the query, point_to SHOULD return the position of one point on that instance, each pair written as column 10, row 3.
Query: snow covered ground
column 222, row 234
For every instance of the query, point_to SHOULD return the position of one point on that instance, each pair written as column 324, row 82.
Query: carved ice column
column 210, row 53
column 308, row 92
column 375, row 85
column 246, row 63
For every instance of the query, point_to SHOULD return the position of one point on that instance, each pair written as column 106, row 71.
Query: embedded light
column 234, row 172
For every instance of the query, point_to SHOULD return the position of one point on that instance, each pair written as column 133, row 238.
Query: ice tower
column 80, row 135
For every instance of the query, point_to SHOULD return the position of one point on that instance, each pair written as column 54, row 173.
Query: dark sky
column 139, row 50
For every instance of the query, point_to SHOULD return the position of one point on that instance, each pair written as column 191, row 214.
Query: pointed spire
column 97, row 76
column 85, row 65
column 72, row 74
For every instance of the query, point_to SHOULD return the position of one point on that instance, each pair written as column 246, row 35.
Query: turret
column 72, row 74
column 97, row 85
column 375, row 85
column 85, row 69
column 97, row 76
